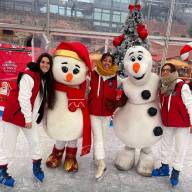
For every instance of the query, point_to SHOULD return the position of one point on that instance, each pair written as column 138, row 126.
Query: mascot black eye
column 140, row 57
column 133, row 59
column 64, row 69
column 75, row 71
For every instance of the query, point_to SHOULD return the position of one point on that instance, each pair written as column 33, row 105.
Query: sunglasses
column 166, row 70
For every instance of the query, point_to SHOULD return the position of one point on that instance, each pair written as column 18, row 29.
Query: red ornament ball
column 118, row 40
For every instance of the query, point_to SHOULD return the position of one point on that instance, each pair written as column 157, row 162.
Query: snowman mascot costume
column 137, row 124
column 69, row 120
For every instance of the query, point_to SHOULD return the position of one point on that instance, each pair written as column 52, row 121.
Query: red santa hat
column 184, row 53
column 74, row 50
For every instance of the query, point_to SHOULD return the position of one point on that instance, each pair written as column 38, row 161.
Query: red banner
column 13, row 59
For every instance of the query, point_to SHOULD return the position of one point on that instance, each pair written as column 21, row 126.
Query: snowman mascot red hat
column 69, row 120
column 74, row 50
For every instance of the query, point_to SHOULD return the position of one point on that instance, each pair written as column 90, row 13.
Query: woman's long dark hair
column 48, row 77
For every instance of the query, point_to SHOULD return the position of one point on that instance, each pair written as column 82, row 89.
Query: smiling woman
column 45, row 65
column 176, row 115
column 24, row 111
column 103, row 85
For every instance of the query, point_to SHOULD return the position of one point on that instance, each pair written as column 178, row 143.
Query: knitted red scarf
column 76, row 99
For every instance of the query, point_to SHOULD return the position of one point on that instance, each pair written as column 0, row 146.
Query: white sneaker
column 101, row 168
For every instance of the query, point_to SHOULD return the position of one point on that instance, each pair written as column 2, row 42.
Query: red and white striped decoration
column 184, row 52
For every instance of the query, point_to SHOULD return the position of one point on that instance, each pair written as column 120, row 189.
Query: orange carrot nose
column 69, row 77
column 136, row 67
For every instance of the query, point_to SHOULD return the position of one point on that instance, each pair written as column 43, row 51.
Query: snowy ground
column 83, row 181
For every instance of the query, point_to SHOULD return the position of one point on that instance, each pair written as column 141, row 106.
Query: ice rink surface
column 56, row 180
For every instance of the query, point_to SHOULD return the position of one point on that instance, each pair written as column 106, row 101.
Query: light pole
column 48, row 22
column 136, row 2
column 149, row 12
column 168, row 32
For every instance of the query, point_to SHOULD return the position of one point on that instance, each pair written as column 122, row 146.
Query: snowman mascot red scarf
column 76, row 99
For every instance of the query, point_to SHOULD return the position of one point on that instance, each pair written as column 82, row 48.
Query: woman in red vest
column 103, row 86
column 24, row 111
column 176, row 114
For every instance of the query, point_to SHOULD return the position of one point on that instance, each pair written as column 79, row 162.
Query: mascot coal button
column 158, row 131
column 146, row 94
column 152, row 111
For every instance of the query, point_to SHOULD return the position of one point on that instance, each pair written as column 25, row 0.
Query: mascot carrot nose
column 136, row 67
column 69, row 77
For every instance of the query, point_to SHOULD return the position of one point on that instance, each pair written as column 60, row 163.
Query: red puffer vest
column 107, row 89
column 12, row 112
column 177, row 116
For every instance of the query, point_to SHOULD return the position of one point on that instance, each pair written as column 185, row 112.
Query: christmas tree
column 133, row 32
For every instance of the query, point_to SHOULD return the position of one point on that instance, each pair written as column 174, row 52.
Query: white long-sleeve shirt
column 25, row 92
column 187, row 99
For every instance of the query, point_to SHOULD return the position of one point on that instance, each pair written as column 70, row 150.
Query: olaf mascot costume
column 69, row 120
column 137, row 124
